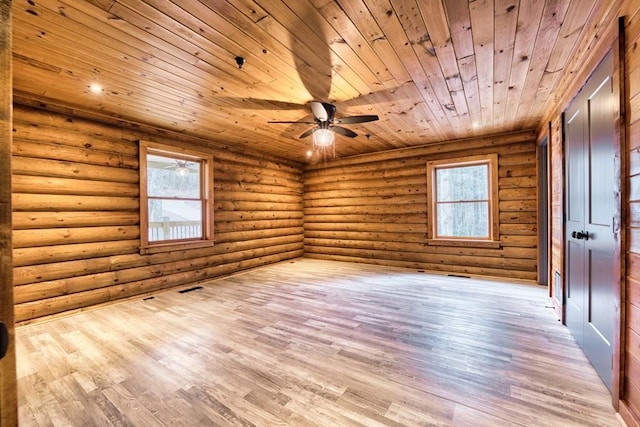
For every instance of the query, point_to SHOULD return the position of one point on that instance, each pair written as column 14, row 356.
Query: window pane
column 469, row 219
column 169, row 177
column 175, row 219
column 463, row 183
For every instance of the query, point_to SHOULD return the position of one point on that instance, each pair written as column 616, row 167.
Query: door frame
column 620, row 215
column 544, row 205
column 8, row 376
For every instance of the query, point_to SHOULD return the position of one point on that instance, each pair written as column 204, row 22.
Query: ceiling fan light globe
column 182, row 171
column 323, row 137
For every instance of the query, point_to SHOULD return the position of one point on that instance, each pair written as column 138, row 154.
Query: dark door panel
column 590, row 244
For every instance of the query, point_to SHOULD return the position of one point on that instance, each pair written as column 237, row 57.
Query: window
column 175, row 198
column 463, row 205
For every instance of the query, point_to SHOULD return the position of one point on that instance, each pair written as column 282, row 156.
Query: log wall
column 373, row 209
column 76, row 215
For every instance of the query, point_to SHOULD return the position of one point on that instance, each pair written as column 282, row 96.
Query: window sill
column 492, row 244
column 177, row 246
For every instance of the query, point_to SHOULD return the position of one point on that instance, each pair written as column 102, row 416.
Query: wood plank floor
column 313, row 342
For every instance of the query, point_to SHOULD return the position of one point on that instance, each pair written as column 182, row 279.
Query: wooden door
column 8, row 394
column 590, row 239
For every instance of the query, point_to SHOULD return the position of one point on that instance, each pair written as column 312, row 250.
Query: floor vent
column 184, row 291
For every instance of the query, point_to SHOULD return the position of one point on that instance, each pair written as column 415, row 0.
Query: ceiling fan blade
column 307, row 133
column 299, row 123
column 331, row 111
column 358, row 119
column 344, row 131
column 319, row 112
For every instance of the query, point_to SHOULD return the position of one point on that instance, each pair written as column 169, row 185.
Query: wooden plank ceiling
column 433, row 70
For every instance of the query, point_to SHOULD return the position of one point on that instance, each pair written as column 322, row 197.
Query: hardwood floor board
column 244, row 368
column 47, row 409
column 366, row 399
column 27, row 415
column 234, row 399
column 465, row 416
column 133, row 411
column 273, row 403
column 572, row 407
column 72, row 403
column 310, row 381
column 363, row 378
column 91, row 380
column 485, row 400
column 33, row 396
column 48, row 347
column 319, row 411
column 299, row 333
column 170, row 411
column 312, row 342
column 87, row 403
column 163, row 378
column 98, row 402
column 216, row 411
column 279, row 378
column 406, row 415
column 366, row 416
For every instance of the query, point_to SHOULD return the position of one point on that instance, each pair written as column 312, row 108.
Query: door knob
column 4, row 340
column 580, row 235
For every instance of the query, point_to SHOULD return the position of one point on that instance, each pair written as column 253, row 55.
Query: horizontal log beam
column 220, row 184
column 54, row 202
column 62, row 169
column 376, row 189
column 256, row 215
column 369, row 227
column 58, row 236
column 47, row 134
column 235, row 236
column 66, row 153
column 27, row 220
column 243, row 205
column 50, row 254
column 381, row 236
column 228, row 226
column 62, row 186
column 367, row 201
column 366, row 209
column 381, row 219
column 244, row 196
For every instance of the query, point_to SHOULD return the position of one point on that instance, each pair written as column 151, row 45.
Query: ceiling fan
column 327, row 124
column 180, row 167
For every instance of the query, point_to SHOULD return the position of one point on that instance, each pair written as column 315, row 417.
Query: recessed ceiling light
column 95, row 88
